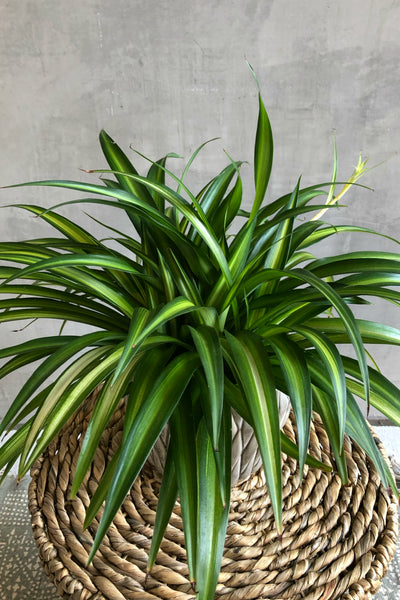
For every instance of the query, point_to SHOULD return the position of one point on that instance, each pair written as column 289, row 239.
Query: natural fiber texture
column 337, row 540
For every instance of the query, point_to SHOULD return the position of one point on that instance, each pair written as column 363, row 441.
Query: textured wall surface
column 166, row 75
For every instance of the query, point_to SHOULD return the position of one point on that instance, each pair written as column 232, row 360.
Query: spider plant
column 192, row 321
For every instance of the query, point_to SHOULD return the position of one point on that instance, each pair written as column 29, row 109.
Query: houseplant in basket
column 191, row 323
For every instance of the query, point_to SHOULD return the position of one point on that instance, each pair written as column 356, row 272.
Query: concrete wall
column 167, row 75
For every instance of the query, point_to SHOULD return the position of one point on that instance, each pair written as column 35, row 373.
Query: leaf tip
column 279, row 529
column 146, row 577
column 254, row 74
column 91, row 555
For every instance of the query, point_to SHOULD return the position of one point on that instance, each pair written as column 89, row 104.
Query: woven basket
column 337, row 540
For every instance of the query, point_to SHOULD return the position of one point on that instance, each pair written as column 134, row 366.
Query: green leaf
column 186, row 285
column 354, row 262
column 118, row 161
column 202, row 226
column 228, row 209
column 331, row 358
column 324, row 407
column 299, row 257
column 357, row 428
column 347, row 317
column 152, row 363
column 295, row 371
column 212, row 518
column 65, row 226
column 63, row 264
column 49, row 366
column 65, row 397
column 318, row 235
column 166, row 502
column 370, row 331
column 214, row 194
column 190, row 161
column 166, row 277
column 253, row 370
column 24, row 359
column 11, row 449
column 223, row 456
column 239, row 253
column 280, row 246
column 183, row 435
column 208, row 347
column 31, row 406
column 157, row 173
column 147, row 426
column 384, row 395
column 374, row 278
column 278, row 206
column 263, row 154
column 175, row 308
column 234, row 396
column 352, row 295
column 62, row 312
column 106, row 403
column 139, row 320
column 65, row 296
column 84, row 260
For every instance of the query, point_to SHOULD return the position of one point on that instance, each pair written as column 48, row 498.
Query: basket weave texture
column 337, row 540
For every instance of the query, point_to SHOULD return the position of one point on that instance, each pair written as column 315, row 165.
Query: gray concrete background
column 167, row 75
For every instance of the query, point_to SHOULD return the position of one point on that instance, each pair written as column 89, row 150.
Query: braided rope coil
column 337, row 540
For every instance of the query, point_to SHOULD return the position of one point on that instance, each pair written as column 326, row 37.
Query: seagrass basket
column 337, row 540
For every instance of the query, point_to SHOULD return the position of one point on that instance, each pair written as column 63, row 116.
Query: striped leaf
column 65, row 399
column 119, row 162
column 147, row 426
column 166, row 502
column 384, row 395
column 48, row 367
column 332, row 361
column 140, row 318
column 175, row 308
column 295, row 372
column 65, row 226
column 212, row 518
column 347, row 317
column 183, row 429
column 251, row 363
column 324, row 406
column 263, row 154
column 107, row 402
column 208, row 347
column 359, row 431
